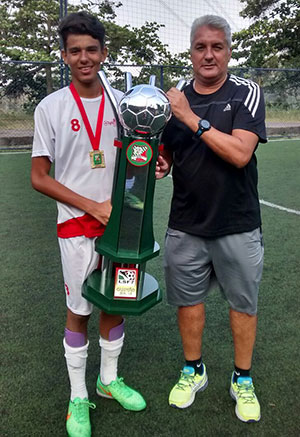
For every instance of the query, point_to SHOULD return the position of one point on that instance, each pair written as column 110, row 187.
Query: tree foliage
column 273, row 38
column 28, row 32
column 272, row 41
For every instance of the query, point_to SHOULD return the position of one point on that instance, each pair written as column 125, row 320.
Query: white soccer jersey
column 60, row 134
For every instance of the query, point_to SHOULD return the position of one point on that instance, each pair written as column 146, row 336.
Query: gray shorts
column 192, row 264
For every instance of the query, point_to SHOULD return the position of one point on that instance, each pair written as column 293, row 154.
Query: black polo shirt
column 211, row 197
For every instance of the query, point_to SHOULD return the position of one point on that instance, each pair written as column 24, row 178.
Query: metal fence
column 24, row 84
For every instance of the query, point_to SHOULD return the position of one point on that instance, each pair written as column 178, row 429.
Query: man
column 214, row 224
column 75, row 127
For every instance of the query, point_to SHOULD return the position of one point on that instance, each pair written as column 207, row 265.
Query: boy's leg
column 108, row 384
column 78, row 260
column 76, row 352
column 111, row 342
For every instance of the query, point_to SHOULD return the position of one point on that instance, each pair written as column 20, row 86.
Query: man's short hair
column 81, row 23
column 213, row 21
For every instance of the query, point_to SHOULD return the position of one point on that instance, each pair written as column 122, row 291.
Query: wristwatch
column 203, row 126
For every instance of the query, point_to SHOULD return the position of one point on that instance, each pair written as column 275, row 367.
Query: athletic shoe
column 118, row 390
column 183, row 393
column 78, row 418
column 247, row 406
column 133, row 201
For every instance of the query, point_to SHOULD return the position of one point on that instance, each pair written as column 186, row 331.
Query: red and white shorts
column 79, row 259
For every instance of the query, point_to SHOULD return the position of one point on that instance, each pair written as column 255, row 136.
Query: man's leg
column 188, row 270
column 108, row 384
column 191, row 321
column 238, row 263
column 243, row 328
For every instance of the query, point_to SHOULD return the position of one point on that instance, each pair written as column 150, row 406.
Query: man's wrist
column 203, row 126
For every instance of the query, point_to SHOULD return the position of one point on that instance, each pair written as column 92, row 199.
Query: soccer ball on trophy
column 144, row 110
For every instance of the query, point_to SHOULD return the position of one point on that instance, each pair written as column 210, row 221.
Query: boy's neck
column 88, row 90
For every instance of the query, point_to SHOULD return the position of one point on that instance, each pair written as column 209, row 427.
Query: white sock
column 76, row 363
column 110, row 351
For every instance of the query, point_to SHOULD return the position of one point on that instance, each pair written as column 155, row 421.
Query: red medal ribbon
column 94, row 139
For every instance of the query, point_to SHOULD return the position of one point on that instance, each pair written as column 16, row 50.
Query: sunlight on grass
column 280, row 115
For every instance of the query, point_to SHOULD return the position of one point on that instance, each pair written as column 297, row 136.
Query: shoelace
column 82, row 409
column 119, row 385
column 185, row 380
column 246, row 392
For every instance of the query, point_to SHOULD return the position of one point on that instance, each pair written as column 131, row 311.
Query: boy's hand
column 101, row 211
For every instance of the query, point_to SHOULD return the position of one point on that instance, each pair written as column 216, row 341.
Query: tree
column 28, row 32
column 138, row 46
column 272, row 41
column 273, row 38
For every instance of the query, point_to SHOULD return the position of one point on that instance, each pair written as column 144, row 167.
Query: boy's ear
column 104, row 53
column 64, row 56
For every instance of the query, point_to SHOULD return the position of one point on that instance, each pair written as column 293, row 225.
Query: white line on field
column 270, row 140
column 282, row 208
column 263, row 202
column 272, row 205
column 15, row 153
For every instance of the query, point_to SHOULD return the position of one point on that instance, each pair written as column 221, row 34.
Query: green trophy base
column 149, row 296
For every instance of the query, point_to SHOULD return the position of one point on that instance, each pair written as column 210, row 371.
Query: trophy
column 121, row 285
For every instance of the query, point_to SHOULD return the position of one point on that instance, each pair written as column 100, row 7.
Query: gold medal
column 97, row 159
column 96, row 155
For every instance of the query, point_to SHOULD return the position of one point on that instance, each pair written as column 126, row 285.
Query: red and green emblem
column 139, row 153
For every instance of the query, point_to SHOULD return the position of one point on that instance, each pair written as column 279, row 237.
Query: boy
column 75, row 127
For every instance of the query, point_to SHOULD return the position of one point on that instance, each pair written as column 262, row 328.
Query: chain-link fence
column 24, row 84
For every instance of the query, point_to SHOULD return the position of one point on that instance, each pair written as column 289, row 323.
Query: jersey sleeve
column 250, row 114
column 44, row 136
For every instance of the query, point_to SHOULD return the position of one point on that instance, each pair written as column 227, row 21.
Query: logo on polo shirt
column 227, row 107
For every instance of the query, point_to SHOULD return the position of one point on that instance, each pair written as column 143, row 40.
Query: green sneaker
column 133, row 201
column 78, row 418
column 247, row 406
column 118, row 390
column 183, row 393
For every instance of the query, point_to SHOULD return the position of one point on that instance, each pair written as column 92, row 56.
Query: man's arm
column 236, row 148
column 44, row 183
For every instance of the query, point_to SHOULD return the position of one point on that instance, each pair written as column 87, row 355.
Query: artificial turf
column 34, row 385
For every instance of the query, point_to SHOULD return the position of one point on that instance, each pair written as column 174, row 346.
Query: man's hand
column 163, row 164
column 162, row 167
column 179, row 104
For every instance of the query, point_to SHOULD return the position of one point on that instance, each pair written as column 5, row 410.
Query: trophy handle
column 152, row 80
column 181, row 84
column 128, row 81
column 112, row 98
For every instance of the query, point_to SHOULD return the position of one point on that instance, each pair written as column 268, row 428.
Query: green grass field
column 34, row 384
column 20, row 120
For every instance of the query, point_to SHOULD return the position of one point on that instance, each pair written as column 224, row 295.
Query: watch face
column 205, row 124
